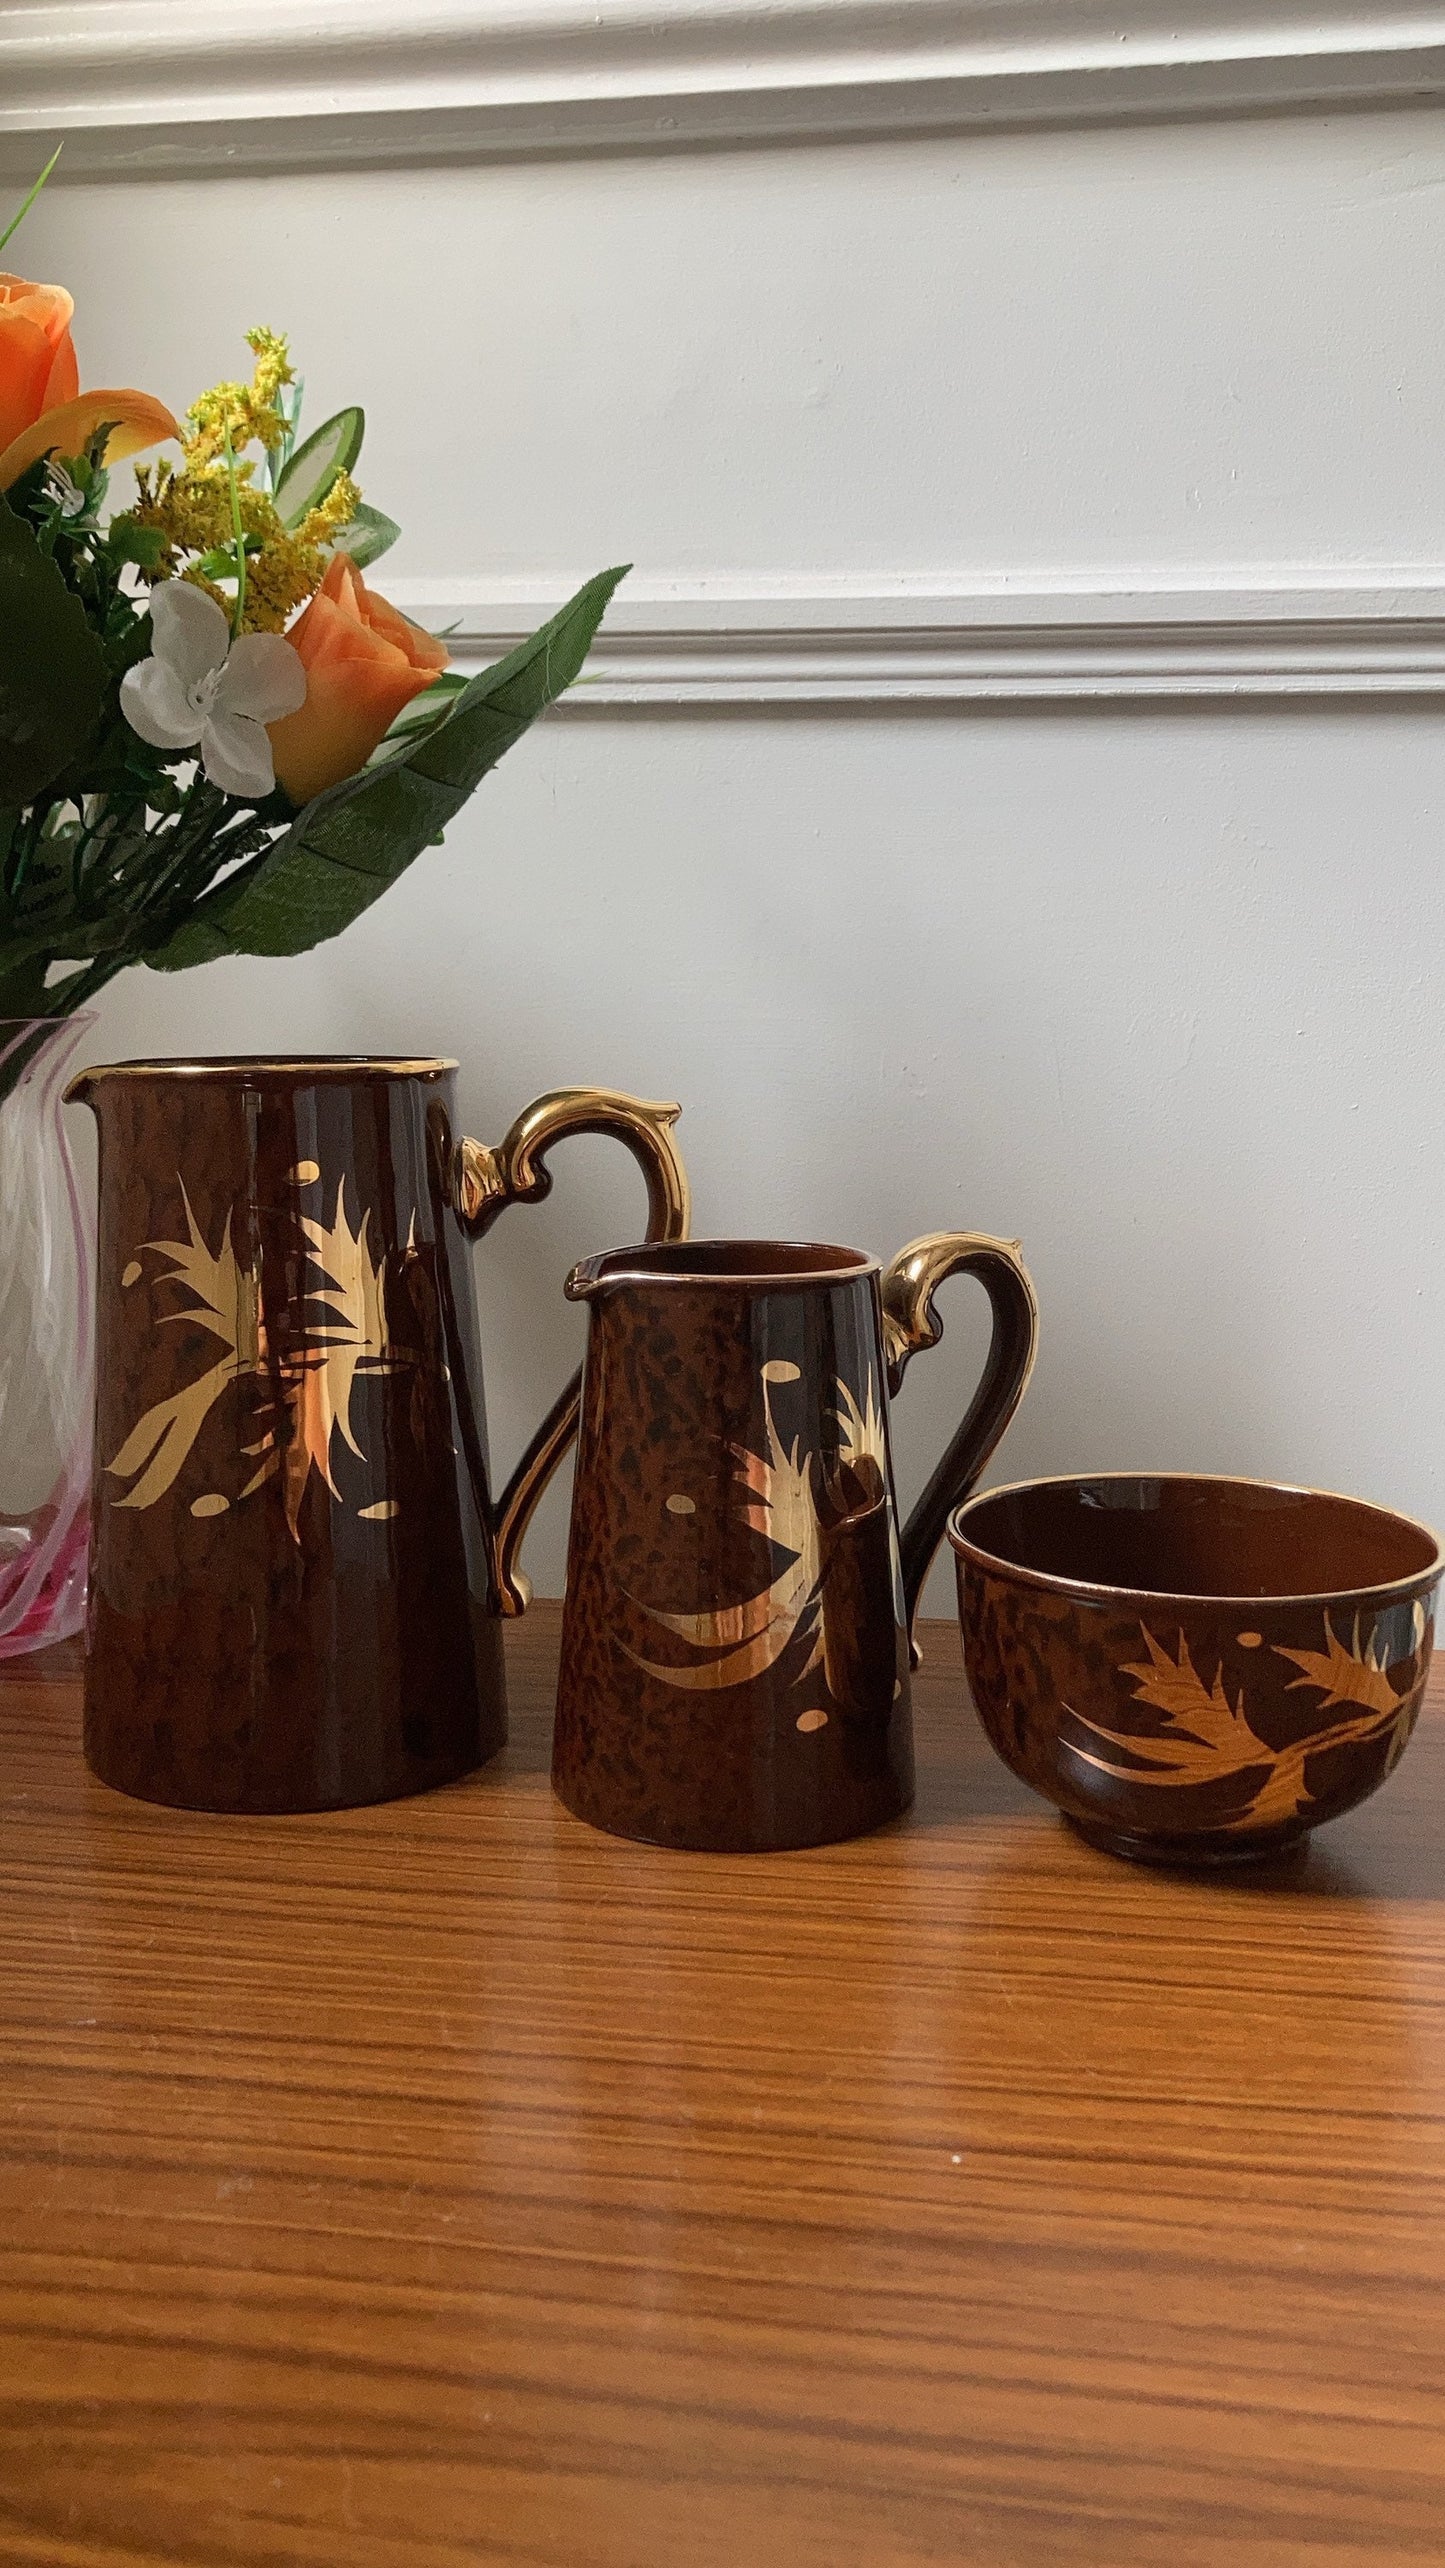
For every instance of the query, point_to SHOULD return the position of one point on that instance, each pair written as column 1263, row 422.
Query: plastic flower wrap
column 215, row 736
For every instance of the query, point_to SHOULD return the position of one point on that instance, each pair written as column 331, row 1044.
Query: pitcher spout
column 587, row 1276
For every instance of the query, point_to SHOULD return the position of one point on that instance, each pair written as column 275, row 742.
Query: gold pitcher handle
column 485, row 1182
column 911, row 1323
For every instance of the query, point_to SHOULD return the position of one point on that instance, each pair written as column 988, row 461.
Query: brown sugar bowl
column 1195, row 1670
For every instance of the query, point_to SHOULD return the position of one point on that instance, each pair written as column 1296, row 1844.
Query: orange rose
column 42, row 409
column 363, row 662
column 37, row 354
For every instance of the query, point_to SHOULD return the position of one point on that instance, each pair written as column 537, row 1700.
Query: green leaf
column 424, row 713
column 129, row 542
column 367, row 537
column 52, row 668
column 332, row 449
column 346, row 848
column 13, row 226
column 22, row 983
column 220, row 562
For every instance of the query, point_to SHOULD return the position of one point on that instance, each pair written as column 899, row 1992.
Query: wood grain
column 443, row 2183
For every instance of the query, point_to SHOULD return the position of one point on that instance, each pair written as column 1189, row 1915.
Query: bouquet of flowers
column 215, row 736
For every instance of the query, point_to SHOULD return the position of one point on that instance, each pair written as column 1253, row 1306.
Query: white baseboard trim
column 721, row 646
column 157, row 86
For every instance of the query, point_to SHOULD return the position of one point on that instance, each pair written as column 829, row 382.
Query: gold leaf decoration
column 778, row 1503
column 1200, row 1718
column 164, row 1436
column 354, row 1282
column 1208, row 1740
column 227, row 1296
column 226, row 1302
column 778, row 1492
column 308, row 1385
column 862, row 1437
column 1345, row 1675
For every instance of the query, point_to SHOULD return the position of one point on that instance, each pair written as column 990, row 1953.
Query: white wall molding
column 155, row 85
column 723, row 647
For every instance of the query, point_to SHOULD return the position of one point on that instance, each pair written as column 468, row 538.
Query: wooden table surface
column 445, row 2183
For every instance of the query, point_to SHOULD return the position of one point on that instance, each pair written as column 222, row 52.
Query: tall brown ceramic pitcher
column 297, row 1567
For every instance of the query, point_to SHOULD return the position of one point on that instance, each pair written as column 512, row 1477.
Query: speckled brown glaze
column 303, row 1643
column 1196, row 1671
column 735, row 1650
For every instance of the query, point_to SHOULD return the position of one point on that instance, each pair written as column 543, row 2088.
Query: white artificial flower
column 201, row 689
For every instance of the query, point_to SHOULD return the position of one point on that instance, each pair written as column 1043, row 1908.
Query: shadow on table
column 1388, row 1849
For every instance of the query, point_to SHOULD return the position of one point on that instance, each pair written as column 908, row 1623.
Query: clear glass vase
column 46, row 1356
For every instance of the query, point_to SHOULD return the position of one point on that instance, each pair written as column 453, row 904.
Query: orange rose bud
column 42, row 409
column 37, row 354
column 363, row 662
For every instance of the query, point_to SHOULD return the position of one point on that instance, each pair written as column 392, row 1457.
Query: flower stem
column 13, row 226
column 236, row 527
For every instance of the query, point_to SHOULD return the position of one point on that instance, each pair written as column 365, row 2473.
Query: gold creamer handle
column 911, row 1323
column 485, row 1182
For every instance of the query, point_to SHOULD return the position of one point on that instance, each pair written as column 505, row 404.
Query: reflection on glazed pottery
column 796, row 1500
column 1208, row 1739
column 305, row 1388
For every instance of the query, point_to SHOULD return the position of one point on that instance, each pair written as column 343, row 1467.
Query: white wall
column 1016, row 796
